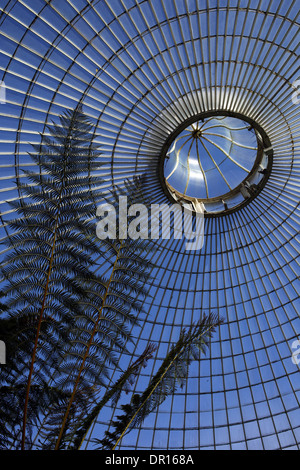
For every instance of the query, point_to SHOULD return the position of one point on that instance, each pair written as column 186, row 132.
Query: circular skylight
column 218, row 161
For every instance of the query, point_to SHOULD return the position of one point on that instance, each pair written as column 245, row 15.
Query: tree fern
column 51, row 245
column 119, row 298
column 52, row 288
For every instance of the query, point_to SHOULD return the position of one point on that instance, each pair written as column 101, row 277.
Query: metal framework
column 142, row 69
column 207, row 174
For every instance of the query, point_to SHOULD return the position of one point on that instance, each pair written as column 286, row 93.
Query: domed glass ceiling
column 142, row 69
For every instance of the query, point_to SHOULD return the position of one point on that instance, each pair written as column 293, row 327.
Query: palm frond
column 172, row 374
column 113, row 393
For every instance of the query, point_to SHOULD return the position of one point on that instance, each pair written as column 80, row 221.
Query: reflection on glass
column 211, row 157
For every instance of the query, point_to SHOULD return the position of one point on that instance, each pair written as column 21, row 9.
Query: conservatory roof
column 149, row 73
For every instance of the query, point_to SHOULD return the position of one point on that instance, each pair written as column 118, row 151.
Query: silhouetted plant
column 172, row 374
column 113, row 394
column 74, row 320
column 118, row 302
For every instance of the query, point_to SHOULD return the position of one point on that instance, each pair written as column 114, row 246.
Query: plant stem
column 87, row 351
column 37, row 338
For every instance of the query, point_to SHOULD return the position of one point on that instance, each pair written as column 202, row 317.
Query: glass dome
column 219, row 159
column 142, row 69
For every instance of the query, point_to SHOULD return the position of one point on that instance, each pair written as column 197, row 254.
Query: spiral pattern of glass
column 142, row 68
